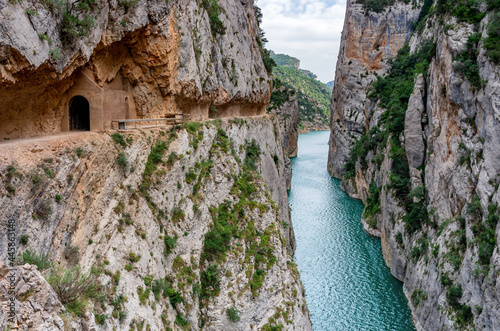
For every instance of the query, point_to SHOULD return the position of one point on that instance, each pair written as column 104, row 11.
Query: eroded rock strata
column 130, row 59
column 420, row 148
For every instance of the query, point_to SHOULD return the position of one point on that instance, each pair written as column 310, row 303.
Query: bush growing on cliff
column 464, row 10
column 122, row 161
column 74, row 27
column 118, row 138
column 257, row 281
column 418, row 296
column 233, row 314
column 171, row 158
column 453, row 295
column 190, row 176
column 155, row 157
column 372, row 207
column 252, row 154
column 177, row 214
column 217, row 240
column 43, row 210
column 221, row 141
column 72, row 286
column 170, row 244
column 485, row 233
column 463, row 312
column 376, row 5
column 269, row 63
column 420, row 249
column 193, row 127
column 210, row 282
column 474, row 207
column 23, row 240
column 213, row 11
column 79, row 151
column 492, row 42
column 134, row 257
column 31, row 257
column 174, row 297
column 416, row 206
column 466, row 62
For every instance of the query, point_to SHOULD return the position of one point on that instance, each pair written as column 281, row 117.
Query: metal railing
column 173, row 119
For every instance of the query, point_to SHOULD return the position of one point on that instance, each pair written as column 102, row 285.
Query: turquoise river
column 348, row 286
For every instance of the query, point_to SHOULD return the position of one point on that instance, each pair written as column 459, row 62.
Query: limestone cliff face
column 286, row 108
column 154, row 211
column 449, row 261
column 130, row 59
column 368, row 40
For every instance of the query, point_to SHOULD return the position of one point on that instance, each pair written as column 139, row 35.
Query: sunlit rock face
column 129, row 59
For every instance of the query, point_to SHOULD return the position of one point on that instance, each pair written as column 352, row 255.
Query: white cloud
column 306, row 29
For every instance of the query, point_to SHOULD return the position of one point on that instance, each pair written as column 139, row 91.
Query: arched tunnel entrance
column 79, row 115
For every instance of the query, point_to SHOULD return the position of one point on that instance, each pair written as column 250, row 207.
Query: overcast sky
column 306, row 29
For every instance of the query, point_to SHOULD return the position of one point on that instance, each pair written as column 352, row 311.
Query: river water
column 348, row 286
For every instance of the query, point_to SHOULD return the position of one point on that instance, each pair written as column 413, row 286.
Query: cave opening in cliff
column 79, row 117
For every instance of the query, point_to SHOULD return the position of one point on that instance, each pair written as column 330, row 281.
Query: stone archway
column 79, row 115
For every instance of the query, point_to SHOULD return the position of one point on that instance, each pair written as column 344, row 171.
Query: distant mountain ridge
column 313, row 96
column 284, row 60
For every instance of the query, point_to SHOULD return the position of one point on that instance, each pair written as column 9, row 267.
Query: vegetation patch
column 252, row 154
column 463, row 312
column 154, row 158
column 464, row 10
column 233, row 314
column 122, row 161
column 119, row 139
column 210, row 282
column 419, row 249
column 484, row 232
column 377, row 6
column 372, row 205
column 213, row 11
column 492, row 42
column 417, row 296
column 31, row 257
column 170, row 244
column 281, row 94
column 73, row 287
column 269, row 63
column 313, row 97
column 43, row 210
column 456, row 245
column 466, row 62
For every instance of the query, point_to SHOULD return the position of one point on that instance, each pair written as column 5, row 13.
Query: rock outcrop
column 130, row 59
column 368, row 41
column 36, row 303
column 428, row 174
column 185, row 225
